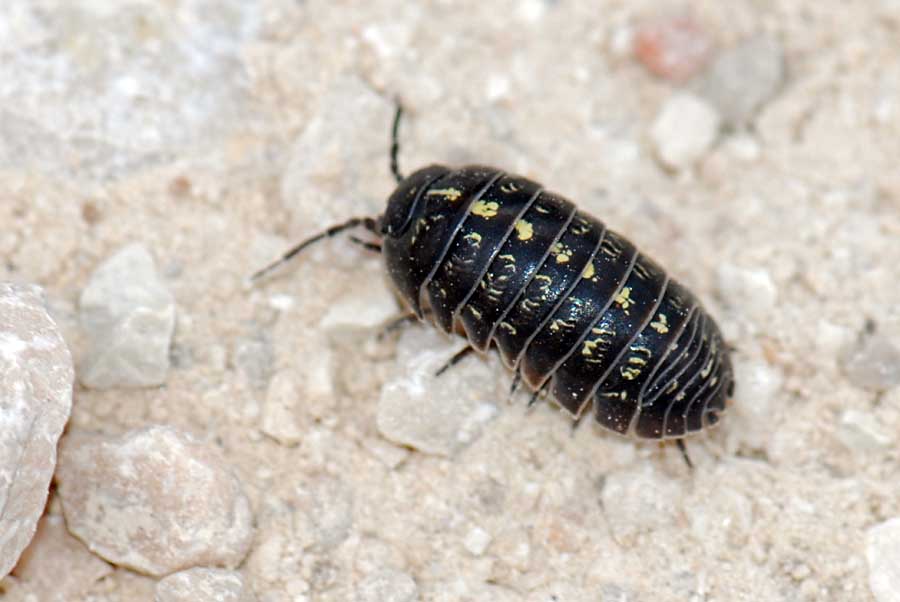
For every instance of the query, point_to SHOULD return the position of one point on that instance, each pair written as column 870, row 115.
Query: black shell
column 571, row 305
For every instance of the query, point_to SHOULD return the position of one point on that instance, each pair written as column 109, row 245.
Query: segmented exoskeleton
column 573, row 307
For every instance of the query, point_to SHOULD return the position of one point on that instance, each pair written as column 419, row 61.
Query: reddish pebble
column 673, row 48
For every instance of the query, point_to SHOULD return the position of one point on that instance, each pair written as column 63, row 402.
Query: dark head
column 406, row 198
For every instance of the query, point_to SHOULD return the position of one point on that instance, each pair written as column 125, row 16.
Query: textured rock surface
column 35, row 401
column 204, row 585
column 430, row 413
column 128, row 315
column 218, row 133
column 387, row 586
column 154, row 500
column 744, row 78
column 883, row 554
column 56, row 567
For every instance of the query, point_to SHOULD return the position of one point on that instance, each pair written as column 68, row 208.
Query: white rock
column 279, row 418
column 477, row 541
column 757, row 385
column 204, row 585
column 860, row 431
column 753, row 289
column 128, row 315
column 883, row 556
column 387, row 586
column 154, row 500
column 874, row 364
column 744, row 78
column 364, row 305
column 436, row 415
column 684, row 130
column 36, row 377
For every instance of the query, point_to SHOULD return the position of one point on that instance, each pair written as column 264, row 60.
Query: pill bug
column 573, row 307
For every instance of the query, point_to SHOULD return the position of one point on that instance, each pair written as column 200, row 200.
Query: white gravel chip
column 436, row 415
column 753, row 288
column 883, row 556
column 204, row 585
column 387, row 586
column 684, row 130
column 35, row 400
column 128, row 315
column 873, row 364
column 154, row 500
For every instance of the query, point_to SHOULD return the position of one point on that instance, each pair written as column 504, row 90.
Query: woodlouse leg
column 684, row 453
column 513, row 387
column 537, row 394
column 395, row 143
column 457, row 357
column 399, row 322
column 367, row 222
column 370, row 246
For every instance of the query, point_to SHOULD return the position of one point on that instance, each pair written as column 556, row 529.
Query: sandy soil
column 217, row 133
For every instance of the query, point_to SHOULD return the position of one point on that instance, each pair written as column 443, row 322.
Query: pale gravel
column 787, row 231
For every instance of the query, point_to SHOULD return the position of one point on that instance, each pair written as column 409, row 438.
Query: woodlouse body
column 574, row 307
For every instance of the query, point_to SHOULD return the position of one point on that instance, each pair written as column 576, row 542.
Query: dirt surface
column 218, row 133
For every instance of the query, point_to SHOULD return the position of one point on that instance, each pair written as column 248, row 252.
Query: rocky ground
column 237, row 442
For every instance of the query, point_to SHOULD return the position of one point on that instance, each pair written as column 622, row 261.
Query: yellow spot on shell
column 484, row 209
column 508, row 327
column 630, row 373
column 589, row 271
column 475, row 312
column 524, row 230
column 475, row 237
column 562, row 253
column 662, row 325
column 705, row 372
column 451, row 194
column 623, row 299
column 637, row 360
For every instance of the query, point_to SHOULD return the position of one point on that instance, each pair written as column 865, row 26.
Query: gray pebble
column 128, row 315
column 874, row 364
column 744, row 78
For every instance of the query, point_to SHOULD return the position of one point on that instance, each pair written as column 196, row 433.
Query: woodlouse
column 573, row 307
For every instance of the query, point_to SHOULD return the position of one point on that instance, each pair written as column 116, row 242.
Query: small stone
column 861, row 432
column 743, row 79
column 253, row 359
column 753, row 289
column 883, row 556
column 435, row 416
column 326, row 514
column 684, row 130
column 279, row 418
column 128, row 315
column 873, row 364
column 154, row 500
column 36, row 377
column 387, row 586
column 56, row 566
column 204, row 585
column 674, row 48
column 477, row 541
column 758, row 384
column 365, row 305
